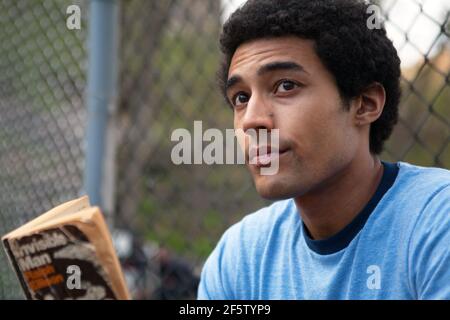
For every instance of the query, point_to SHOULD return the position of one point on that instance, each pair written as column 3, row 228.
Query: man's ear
column 370, row 104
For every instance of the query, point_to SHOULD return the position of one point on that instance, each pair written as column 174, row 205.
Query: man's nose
column 258, row 114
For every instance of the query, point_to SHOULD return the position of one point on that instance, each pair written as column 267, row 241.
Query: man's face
column 280, row 83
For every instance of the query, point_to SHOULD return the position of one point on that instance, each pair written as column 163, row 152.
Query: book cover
column 66, row 253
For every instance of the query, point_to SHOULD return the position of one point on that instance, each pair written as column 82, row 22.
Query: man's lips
column 264, row 155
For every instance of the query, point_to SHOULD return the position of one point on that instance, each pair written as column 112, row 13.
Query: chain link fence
column 42, row 115
column 168, row 218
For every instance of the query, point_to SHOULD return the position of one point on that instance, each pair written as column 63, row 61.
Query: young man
column 348, row 225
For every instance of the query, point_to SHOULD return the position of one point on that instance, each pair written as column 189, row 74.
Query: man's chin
column 272, row 191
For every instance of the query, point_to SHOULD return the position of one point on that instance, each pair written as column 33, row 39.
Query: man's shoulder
column 425, row 197
column 424, row 178
column 235, row 259
column 259, row 225
column 428, row 213
column 417, row 185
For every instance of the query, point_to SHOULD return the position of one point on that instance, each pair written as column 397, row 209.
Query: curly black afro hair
column 354, row 54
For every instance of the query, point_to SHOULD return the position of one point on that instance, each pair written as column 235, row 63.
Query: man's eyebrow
column 234, row 80
column 280, row 65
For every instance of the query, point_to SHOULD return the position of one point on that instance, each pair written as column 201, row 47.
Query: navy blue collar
column 343, row 238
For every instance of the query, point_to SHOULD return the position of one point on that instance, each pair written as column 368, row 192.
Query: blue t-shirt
column 396, row 248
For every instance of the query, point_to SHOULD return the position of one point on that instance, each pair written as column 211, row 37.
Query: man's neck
column 328, row 210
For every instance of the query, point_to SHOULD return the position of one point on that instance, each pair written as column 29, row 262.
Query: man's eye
column 285, row 86
column 240, row 98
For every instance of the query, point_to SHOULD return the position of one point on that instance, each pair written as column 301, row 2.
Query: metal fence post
column 101, row 102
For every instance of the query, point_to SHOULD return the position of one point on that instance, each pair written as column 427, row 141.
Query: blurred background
column 165, row 218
